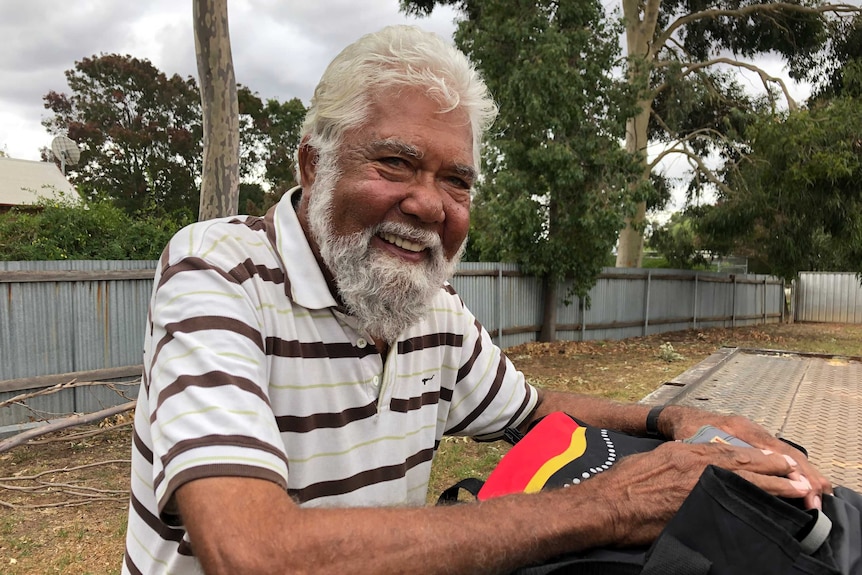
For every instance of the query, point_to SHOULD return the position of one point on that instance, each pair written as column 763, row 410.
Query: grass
column 39, row 535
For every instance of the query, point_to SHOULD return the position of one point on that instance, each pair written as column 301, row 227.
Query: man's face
column 389, row 221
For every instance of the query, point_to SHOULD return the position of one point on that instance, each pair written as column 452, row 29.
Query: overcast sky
column 280, row 48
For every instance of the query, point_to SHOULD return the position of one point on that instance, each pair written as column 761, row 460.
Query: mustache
column 427, row 238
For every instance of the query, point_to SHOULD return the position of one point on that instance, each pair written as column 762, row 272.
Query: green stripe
column 363, row 444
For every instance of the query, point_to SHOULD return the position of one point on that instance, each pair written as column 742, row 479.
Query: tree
column 220, row 177
column 554, row 193
column 795, row 202
column 141, row 137
column 682, row 58
column 677, row 241
column 139, row 132
column 688, row 42
column 270, row 136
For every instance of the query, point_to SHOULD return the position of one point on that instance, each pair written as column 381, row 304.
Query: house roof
column 24, row 182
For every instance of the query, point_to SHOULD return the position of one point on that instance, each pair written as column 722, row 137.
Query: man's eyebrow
column 397, row 146
column 467, row 172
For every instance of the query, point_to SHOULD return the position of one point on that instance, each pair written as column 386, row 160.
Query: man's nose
column 425, row 201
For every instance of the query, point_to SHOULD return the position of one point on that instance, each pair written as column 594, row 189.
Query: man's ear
column 307, row 157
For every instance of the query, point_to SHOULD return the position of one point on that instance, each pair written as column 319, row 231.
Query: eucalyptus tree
column 683, row 59
column 556, row 182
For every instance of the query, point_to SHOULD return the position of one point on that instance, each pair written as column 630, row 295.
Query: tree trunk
column 220, row 110
column 549, row 310
column 640, row 30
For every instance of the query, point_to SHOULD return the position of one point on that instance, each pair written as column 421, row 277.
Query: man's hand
column 647, row 489
column 680, row 423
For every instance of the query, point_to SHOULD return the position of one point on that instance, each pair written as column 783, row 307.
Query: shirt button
column 375, row 381
column 361, row 343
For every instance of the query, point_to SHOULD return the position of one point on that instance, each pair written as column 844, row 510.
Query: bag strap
column 821, row 526
column 471, row 485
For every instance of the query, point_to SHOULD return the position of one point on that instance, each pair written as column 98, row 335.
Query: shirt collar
column 308, row 287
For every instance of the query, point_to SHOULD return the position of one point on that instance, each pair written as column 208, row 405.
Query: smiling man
column 302, row 368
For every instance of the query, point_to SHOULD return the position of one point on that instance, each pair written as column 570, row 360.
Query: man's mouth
column 401, row 242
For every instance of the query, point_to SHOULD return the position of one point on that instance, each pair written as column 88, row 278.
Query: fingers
column 779, row 486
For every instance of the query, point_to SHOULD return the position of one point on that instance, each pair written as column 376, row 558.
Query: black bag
column 726, row 526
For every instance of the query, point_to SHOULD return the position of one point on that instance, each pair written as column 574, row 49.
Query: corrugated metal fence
column 832, row 297
column 86, row 319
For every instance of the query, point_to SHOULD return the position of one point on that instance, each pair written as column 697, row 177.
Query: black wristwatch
column 652, row 429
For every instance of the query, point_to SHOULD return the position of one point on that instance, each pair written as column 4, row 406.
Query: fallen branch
column 64, row 423
column 82, row 434
column 63, row 470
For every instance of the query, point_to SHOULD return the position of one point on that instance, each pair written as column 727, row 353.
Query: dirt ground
column 63, row 498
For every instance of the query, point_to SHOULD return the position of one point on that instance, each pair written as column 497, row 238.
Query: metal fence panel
column 63, row 317
column 833, row 297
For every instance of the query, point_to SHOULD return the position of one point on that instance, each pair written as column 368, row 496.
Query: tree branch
column 747, row 11
column 697, row 164
column 64, row 423
column 764, row 77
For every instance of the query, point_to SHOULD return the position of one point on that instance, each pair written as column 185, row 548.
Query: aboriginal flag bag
column 726, row 526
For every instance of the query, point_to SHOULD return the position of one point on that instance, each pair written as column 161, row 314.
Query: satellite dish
column 66, row 151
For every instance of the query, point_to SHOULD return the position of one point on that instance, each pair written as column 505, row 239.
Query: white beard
column 384, row 293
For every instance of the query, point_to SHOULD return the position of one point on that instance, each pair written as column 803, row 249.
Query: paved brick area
column 811, row 399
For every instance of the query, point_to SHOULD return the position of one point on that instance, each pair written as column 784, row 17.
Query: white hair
column 395, row 57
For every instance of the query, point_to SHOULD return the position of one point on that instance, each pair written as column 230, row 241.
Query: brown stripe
column 142, row 448
column 248, row 269
column 360, row 480
column 207, row 323
column 449, row 289
column 294, row 424
column 216, row 470
column 208, row 380
column 489, row 397
column 446, row 394
column 130, row 566
column 251, row 222
column 166, row 532
column 528, row 392
column 405, row 405
column 165, row 258
column 191, row 264
column 316, row 349
column 477, row 349
column 220, row 441
column 430, row 341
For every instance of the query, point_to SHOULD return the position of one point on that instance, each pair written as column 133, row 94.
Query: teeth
column 402, row 243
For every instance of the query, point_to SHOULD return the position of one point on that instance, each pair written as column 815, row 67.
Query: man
column 300, row 369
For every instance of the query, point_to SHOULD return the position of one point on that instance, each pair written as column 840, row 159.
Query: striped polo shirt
column 252, row 369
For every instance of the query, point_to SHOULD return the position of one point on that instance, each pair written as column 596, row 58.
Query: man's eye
column 394, row 162
column 459, row 183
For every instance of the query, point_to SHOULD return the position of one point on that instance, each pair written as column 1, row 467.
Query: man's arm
column 250, row 526
column 678, row 422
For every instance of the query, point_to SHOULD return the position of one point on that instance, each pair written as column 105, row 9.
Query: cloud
column 279, row 48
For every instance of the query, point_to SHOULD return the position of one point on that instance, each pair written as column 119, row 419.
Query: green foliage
column 796, row 203
column 678, row 243
column 556, row 184
column 269, row 137
column 140, row 134
column 95, row 230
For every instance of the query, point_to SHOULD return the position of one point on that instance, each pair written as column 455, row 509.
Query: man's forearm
column 599, row 412
column 269, row 533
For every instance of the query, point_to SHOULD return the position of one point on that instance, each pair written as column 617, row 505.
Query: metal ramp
column 811, row 399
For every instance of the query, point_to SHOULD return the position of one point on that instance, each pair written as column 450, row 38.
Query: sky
column 280, row 49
